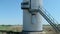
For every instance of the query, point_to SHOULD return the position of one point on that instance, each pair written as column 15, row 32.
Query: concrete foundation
column 33, row 32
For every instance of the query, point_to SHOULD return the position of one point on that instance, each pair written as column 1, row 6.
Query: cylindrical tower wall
column 35, row 4
column 25, row 0
column 27, row 22
column 27, row 17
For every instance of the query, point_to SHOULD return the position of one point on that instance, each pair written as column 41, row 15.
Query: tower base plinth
column 33, row 32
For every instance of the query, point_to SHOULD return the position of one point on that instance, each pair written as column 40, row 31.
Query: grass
column 17, row 28
column 11, row 28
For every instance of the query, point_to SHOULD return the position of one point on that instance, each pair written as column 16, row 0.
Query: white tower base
column 32, row 20
column 27, row 22
column 34, row 32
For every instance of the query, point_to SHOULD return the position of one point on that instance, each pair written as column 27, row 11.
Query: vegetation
column 15, row 28
column 18, row 28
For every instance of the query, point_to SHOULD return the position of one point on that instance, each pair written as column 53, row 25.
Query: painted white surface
column 35, row 4
column 34, row 32
column 25, row 0
column 34, row 20
column 28, row 26
column 27, row 18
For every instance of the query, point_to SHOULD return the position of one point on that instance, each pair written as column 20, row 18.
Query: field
column 10, row 28
column 18, row 28
column 15, row 28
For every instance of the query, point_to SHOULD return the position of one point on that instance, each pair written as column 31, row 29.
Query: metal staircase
column 49, row 19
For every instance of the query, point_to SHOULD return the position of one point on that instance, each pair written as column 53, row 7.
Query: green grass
column 11, row 28
column 15, row 28
column 4, row 27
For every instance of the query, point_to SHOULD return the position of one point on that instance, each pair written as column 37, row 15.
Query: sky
column 12, row 14
column 53, row 7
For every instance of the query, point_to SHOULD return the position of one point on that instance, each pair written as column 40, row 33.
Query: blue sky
column 11, row 12
column 53, row 7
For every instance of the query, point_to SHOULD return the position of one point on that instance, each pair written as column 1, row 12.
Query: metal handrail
column 49, row 18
